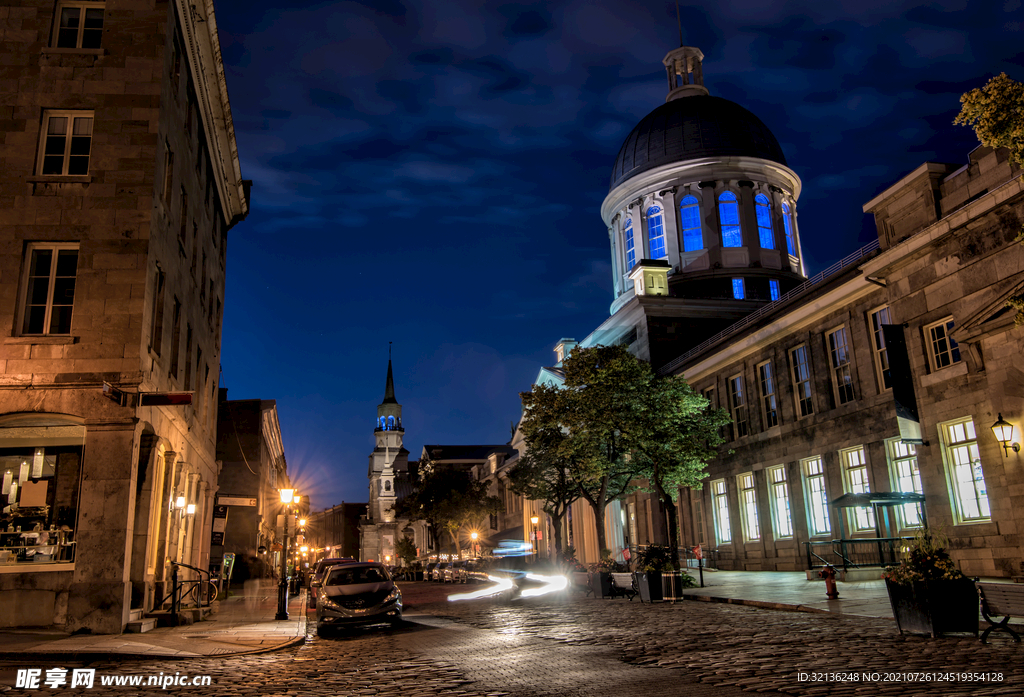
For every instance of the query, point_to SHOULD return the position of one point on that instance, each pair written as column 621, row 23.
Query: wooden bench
column 1001, row 599
column 622, row 585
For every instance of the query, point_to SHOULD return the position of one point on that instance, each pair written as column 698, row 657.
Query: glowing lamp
column 288, row 495
column 190, row 509
column 179, row 502
column 1003, row 431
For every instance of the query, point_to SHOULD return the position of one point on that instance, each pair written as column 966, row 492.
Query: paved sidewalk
column 236, row 627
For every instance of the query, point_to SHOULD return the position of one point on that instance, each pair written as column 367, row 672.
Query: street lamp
column 287, row 496
column 473, row 536
column 536, row 546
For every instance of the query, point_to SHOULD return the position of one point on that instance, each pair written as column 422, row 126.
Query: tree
column 405, row 549
column 996, row 113
column 448, row 499
column 541, row 473
column 679, row 433
column 596, row 413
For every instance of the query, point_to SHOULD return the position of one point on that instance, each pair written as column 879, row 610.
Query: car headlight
column 328, row 603
column 395, row 594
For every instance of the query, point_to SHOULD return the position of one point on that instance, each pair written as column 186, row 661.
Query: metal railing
column 861, row 552
column 179, row 588
column 771, row 307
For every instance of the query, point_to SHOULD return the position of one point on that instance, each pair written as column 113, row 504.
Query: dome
column 690, row 128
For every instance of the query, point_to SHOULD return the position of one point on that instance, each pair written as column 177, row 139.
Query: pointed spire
column 389, row 386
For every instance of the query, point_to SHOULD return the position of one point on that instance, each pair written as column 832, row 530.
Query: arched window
column 380, row 422
column 729, row 216
column 689, row 218
column 391, row 423
column 787, row 220
column 738, row 291
column 630, row 251
column 656, row 232
column 764, row 221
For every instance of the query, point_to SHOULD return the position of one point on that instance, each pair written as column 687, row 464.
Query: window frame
column 774, row 289
column 83, row 5
column 897, row 453
column 690, row 203
column 740, row 427
column 763, row 216
column 879, row 351
column 790, row 227
column 720, row 511
column 746, row 488
column 857, row 480
column 952, row 347
column 950, row 465
column 769, row 397
column 795, row 365
column 847, row 387
column 629, row 244
column 656, row 224
column 23, row 288
column 811, row 495
column 733, row 228
column 776, row 485
column 739, row 289
column 72, row 115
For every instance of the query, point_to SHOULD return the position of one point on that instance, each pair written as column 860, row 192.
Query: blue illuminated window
column 737, row 289
column 773, row 288
column 764, row 221
column 656, row 232
column 630, row 251
column 787, row 220
column 689, row 217
column 729, row 216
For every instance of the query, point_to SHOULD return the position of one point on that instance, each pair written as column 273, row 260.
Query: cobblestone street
column 581, row 646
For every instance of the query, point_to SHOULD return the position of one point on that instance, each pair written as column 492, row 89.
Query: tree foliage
column 448, row 499
column 996, row 113
column 405, row 549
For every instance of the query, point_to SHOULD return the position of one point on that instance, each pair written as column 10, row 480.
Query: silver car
column 359, row 593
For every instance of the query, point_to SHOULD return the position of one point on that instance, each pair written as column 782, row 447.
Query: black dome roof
column 693, row 127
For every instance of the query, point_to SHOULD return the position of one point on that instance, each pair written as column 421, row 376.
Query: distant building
column 334, row 532
column 253, row 470
column 121, row 179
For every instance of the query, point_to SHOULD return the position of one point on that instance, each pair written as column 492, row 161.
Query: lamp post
column 536, row 546
column 474, row 536
column 287, row 496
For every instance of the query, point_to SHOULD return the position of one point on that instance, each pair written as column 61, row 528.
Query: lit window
column 778, row 494
column 842, row 368
column 787, row 222
column 738, row 406
column 878, row 318
column 817, row 496
column 943, row 350
column 764, row 221
column 748, row 507
column 767, row 379
column 773, row 289
column 48, row 292
column 801, row 380
column 720, row 503
column 729, row 216
column 906, row 478
column 737, row 289
column 79, row 25
column 963, row 469
column 855, row 476
column 630, row 250
column 689, row 217
column 656, row 232
column 66, row 142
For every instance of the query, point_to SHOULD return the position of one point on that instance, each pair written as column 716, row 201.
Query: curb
column 768, row 605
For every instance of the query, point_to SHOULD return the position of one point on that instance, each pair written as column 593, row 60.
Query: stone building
column 334, row 532
column 879, row 378
column 119, row 180
column 253, row 469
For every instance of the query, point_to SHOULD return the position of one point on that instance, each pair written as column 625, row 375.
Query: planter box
column 649, row 583
column 672, row 586
column 935, row 607
column 602, row 582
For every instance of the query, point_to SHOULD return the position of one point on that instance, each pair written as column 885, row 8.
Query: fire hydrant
column 829, row 574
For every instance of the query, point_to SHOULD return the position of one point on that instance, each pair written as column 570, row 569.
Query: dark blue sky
column 430, row 173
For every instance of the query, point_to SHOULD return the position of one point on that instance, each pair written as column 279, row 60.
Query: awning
column 880, row 498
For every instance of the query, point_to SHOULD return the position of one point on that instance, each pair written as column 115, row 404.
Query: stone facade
column 118, row 182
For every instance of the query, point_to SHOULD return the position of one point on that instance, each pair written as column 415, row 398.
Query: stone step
column 136, row 614
column 141, row 625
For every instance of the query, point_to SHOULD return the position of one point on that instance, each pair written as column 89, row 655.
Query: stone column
column 99, row 597
column 163, row 525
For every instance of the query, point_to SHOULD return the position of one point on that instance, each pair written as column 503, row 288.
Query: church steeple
column 389, row 412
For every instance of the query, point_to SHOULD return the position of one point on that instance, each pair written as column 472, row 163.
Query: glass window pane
column 67, row 33
column 67, row 262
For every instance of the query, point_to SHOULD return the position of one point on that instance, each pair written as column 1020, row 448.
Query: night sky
column 431, row 173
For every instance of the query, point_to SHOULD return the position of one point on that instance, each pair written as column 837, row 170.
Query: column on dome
column 673, row 240
column 616, row 266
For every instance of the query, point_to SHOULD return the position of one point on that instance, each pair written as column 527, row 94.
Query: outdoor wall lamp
column 179, row 502
column 190, row 509
column 1004, row 434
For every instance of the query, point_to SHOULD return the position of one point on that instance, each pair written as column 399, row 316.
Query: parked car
column 428, row 570
column 437, row 574
column 476, row 570
column 455, row 572
column 320, row 568
column 355, row 594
